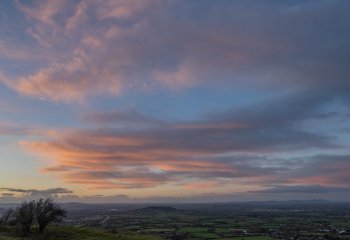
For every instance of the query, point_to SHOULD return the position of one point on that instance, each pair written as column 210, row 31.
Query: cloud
column 276, row 192
column 7, row 194
column 17, row 195
column 297, row 189
column 114, row 47
column 55, row 82
column 10, row 130
column 327, row 169
column 223, row 146
column 68, row 51
column 125, row 118
column 35, row 192
column 43, row 12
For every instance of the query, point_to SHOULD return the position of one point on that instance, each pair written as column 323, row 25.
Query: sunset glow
column 148, row 100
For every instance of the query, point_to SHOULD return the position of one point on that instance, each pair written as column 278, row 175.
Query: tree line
column 41, row 212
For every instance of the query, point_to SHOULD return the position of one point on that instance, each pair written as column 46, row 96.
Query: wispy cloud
column 158, row 152
column 261, row 92
column 11, row 130
column 302, row 192
column 308, row 189
column 36, row 192
column 111, row 47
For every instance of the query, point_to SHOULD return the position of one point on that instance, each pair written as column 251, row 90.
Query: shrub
column 25, row 214
column 46, row 212
column 7, row 216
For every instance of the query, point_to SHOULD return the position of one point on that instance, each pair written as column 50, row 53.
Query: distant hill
column 157, row 209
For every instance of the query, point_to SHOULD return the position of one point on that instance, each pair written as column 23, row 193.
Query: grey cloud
column 7, row 194
column 278, row 192
column 212, row 147
column 189, row 152
column 8, row 130
column 36, row 192
column 308, row 189
column 127, row 118
column 329, row 169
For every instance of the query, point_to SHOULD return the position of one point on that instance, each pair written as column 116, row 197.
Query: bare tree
column 46, row 212
column 25, row 214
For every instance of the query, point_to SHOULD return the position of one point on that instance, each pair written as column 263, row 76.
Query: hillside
column 75, row 233
column 156, row 209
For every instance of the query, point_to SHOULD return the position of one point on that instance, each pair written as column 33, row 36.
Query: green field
column 253, row 238
column 209, row 223
column 88, row 233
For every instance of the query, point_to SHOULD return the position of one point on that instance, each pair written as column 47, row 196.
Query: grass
column 341, row 224
column 5, row 238
column 254, row 238
column 193, row 229
column 199, row 232
column 205, row 235
column 76, row 233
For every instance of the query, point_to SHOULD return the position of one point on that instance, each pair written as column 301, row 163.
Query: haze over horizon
column 174, row 100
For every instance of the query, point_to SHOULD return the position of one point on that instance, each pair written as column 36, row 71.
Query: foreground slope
column 75, row 233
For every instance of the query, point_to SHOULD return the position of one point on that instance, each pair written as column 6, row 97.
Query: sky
column 174, row 100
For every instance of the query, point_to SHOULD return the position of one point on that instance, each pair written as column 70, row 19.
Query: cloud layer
column 261, row 89
column 86, row 48
column 245, row 146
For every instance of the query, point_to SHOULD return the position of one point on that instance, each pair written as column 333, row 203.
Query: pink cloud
column 89, row 50
column 117, row 159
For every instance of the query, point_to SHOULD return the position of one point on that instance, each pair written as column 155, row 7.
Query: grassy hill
column 75, row 233
column 89, row 233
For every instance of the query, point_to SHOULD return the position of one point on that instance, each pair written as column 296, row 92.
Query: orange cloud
column 136, row 159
